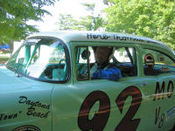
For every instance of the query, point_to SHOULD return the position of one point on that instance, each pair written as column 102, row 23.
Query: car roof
column 72, row 36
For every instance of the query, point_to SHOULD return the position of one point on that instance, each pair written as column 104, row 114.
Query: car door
column 103, row 104
column 116, row 105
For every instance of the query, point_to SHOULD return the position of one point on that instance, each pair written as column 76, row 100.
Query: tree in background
column 90, row 22
column 150, row 18
column 15, row 13
column 66, row 22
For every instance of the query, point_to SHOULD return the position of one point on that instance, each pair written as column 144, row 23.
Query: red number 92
column 100, row 118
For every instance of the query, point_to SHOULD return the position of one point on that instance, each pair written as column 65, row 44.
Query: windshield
column 42, row 58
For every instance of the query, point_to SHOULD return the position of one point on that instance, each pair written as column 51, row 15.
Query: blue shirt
column 112, row 73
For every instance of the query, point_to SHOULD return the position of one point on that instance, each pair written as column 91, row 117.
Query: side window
column 125, row 58
column 105, row 62
column 156, row 63
column 85, row 60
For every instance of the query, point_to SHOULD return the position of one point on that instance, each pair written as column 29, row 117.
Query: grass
column 3, row 59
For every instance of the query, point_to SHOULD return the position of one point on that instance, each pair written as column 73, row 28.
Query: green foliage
column 90, row 22
column 90, row 7
column 150, row 18
column 66, row 22
column 15, row 13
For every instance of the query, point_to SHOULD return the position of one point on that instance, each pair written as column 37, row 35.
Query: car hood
column 9, row 79
column 7, row 76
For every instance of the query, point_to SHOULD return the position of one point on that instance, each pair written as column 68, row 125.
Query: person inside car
column 103, row 69
column 149, row 68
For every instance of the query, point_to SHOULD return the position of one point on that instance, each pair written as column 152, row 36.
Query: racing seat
column 59, row 73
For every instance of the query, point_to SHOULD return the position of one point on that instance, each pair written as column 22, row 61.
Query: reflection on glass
column 42, row 58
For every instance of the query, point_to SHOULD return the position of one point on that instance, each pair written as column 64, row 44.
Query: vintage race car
column 47, row 85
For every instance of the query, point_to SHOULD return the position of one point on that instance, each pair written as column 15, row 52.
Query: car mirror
column 85, row 54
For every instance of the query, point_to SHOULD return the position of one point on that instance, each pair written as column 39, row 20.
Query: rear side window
column 156, row 63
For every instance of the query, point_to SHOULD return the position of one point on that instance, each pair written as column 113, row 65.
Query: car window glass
column 20, row 59
column 44, row 60
column 156, row 63
column 84, row 52
column 125, row 59
column 122, row 58
column 85, row 59
column 121, row 55
column 50, row 65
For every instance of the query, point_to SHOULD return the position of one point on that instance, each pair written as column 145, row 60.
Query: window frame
column 114, row 44
column 67, row 56
column 159, row 51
